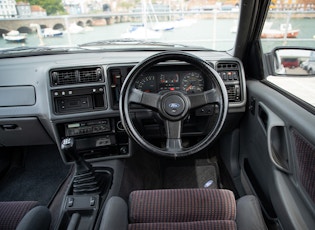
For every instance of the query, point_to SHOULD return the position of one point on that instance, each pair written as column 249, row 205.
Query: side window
column 288, row 36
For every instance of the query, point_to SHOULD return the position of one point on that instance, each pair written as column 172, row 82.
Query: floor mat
column 191, row 177
column 36, row 176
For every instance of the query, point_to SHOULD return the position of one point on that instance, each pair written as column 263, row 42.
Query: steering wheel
column 173, row 106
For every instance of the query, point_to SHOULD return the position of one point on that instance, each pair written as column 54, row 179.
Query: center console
column 82, row 90
column 78, row 96
column 83, row 142
column 97, row 139
column 87, row 192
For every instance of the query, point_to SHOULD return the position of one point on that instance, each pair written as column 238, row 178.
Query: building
column 23, row 9
column 7, row 9
column 38, row 11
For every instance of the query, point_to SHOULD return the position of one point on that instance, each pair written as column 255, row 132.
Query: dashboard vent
column 233, row 93
column 227, row 65
column 76, row 76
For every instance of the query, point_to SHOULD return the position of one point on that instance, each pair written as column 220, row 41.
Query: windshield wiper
column 131, row 42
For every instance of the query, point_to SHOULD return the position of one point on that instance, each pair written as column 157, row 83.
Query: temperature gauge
column 169, row 81
column 169, row 78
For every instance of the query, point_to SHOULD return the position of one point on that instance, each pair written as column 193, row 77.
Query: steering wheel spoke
column 207, row 97
column 143, row 98
column 173, row 135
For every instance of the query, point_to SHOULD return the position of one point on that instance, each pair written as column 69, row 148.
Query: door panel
column 278, row 156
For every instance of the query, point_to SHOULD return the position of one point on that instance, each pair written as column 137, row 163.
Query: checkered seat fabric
column 183, row 209
column 23, row 215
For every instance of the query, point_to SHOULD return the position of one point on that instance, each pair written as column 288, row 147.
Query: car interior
column 156, row 138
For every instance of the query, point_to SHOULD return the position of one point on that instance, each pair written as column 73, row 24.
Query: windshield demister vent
column 76, row 76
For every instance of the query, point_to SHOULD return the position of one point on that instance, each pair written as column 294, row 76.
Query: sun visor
column 17, row 96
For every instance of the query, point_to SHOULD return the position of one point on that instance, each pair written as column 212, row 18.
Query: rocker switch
column 70, row 202
column 92, row 201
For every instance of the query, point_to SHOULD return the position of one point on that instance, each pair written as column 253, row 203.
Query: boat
column 14, row 36
column 163, row 26
column 170, row 25
column 141, row 32
column 49, row 32
column 182, row 22
column 75, row 29
column 285, row 31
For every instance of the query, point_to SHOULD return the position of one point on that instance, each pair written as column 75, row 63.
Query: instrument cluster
column 190, row 81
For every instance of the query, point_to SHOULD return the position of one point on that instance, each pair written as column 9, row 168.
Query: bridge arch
column 59, row 26
column 80, row 23
column 24, row 29
column 89, row 22
column 3, row 31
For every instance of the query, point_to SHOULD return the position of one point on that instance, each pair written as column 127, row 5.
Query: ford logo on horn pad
column 174, row 105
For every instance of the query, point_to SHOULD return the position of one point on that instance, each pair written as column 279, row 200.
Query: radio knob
column 123, row 150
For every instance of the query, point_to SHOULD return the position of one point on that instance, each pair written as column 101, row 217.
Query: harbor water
column 210, row 33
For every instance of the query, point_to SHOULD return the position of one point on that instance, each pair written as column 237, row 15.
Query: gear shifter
column 85, row 181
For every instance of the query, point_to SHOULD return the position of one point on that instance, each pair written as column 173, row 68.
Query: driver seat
column 178, row 209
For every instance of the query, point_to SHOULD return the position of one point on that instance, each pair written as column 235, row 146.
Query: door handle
column 9, row 127
column 277, row 139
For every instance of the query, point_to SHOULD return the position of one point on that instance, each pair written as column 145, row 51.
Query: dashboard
column 48, row 98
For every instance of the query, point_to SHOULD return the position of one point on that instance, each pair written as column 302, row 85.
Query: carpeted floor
column 190, row 177
column 35, row 173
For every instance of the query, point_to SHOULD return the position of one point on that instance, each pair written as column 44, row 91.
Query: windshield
column 74, row 22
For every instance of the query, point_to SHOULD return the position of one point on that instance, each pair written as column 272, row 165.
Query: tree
column 51, row 6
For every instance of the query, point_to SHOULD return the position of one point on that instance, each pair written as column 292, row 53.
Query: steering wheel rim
column 173, row 120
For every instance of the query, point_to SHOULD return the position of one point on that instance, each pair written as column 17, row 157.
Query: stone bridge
column 23, row 25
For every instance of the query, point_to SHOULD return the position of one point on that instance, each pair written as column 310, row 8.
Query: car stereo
column 87, row 127
column 73, row 100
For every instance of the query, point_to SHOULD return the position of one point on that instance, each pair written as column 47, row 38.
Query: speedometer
column 193, row 82
column 146, row 83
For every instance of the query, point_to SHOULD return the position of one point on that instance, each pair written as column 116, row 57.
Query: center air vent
column 76, row 76
column 227, row 65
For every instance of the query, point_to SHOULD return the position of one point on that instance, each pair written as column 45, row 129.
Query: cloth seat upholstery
column 24, row 215
column 177, row 209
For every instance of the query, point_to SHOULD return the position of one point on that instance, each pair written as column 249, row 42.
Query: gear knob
column 69, row 148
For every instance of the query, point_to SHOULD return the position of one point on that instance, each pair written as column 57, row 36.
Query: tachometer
column 146, row 83
column 193, row 82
